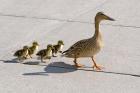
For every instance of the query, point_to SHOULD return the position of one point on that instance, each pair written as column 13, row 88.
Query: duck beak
column 111, row 19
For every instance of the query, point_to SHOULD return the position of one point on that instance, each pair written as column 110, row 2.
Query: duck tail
column 64, row 53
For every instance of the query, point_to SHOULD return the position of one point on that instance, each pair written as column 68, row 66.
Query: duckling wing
column 31, row 50
column 49, row 53
column 53, row 49
column 41, row 52
column 56, row 48
column 18, row 53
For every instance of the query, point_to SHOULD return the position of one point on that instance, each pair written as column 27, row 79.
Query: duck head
column 101, row 16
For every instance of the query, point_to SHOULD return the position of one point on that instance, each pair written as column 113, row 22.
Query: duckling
column 57, row 48
column 33, row 48
column 88, row 47
column 22, row 53
column 45, row 53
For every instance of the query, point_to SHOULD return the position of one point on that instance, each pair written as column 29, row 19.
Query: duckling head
column 50, row 46
column 101, row 16
column 35, row 43
column 60, row 42
column 25, row 47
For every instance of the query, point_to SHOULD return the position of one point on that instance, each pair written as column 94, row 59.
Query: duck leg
column 76, row 64
column 97, row 67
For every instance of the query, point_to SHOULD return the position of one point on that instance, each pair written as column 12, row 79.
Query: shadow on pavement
column 55, row 67
column 32, row 63
column 35, row 74
column 61, row 67
column 10, row 61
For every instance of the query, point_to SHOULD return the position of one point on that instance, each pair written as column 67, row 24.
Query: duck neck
column 96, row 34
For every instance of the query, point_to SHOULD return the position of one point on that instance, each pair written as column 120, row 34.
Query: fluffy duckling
column 45, row 53
column 33, row 48
column 22, row 53
column 57, row 48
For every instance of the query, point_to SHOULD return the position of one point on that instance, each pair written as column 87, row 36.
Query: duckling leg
column 41, row 59
column 53, row 55
column 20, row 59
column 76, row 64
column 25, row 56
column 29, row 55
column 97, row 67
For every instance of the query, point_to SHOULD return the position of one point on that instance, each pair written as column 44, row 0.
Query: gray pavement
column 23, row 21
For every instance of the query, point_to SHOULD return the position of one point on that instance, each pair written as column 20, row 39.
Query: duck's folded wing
column 77, row 46
column 72, row 51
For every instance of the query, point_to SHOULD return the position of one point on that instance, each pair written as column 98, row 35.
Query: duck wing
column 76, row 48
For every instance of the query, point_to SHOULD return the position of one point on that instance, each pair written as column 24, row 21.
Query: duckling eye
column 102, row 14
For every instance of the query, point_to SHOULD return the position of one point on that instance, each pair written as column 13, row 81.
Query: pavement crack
column 66, row 20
